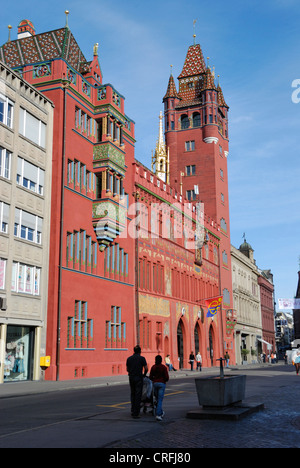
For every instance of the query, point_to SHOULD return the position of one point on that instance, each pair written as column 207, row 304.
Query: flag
column 213, row 306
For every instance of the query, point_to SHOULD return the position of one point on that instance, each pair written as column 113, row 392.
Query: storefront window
column 18, row 356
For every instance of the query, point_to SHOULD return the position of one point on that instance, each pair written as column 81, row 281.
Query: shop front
column 17, row 360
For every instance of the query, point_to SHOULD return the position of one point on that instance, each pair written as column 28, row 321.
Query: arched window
column 226, row 297
column 196, row 119
column 223, row 225
column 185, row 122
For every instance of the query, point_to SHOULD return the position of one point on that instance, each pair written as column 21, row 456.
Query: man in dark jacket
column 137, row 368
column 160, row 376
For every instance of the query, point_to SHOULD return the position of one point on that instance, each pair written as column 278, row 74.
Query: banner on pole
column 213, row 306
column 288, row 304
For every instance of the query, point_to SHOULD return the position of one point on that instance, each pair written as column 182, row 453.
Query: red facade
column 267, row 313
column 196, row 123
column 116, row 279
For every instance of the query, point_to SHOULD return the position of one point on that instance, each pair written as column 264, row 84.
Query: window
column 25, row 279
column 6, row 111
column 190, row 170
column 190, row 146
column 28, row 226
column 30, row 176
column 226, row 297
column 190, row 195
column 158, row 278
column 84, row 123
column 2, row 273
column 116, row 262
column 5, row 163
column 196, row 119
column 223, row 225
column 4, row 216
column 115, row 329
column 81, row 252
column 80, row 327
column 32, row 128
column 80, row 179
column 185, row 122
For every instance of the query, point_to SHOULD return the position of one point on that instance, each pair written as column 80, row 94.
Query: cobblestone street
column 277, row 426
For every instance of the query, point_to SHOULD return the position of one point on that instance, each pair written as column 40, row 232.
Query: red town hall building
column 128, row 262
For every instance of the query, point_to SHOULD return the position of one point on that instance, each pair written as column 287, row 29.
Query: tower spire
column 194, row 27
column 67, row 14
column 160, row 158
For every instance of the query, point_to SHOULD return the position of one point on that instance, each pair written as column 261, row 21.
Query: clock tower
column 196, row 135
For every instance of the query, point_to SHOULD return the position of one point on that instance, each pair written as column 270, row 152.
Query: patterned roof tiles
column 221, row 100
column 171, row 91
column 209, row 81
column 59, row 43
column 194, row 63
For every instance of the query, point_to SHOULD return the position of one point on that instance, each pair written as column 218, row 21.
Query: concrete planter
column 216, row 392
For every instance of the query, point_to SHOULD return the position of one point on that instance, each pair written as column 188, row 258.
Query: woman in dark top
column 159, row 375
column 192, row 359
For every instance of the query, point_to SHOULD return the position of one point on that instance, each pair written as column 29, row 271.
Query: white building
column 26, row 132
column 246, row 303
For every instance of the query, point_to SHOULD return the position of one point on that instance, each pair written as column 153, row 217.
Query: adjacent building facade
column 267, row 302
column 253, row 292
column 26, row 136
column 246, row 296
column 296, row 312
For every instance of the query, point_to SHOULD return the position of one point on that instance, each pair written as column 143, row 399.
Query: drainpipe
column 65, row 84
column 222, row 348
column 137, row 305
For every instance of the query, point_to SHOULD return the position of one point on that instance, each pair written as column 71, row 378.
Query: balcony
column 109, row 220
column 108, row 155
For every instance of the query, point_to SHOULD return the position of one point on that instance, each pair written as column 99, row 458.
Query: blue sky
column 254, row 47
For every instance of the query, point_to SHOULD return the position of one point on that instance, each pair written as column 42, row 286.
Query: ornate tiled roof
column 42, row 47
column 221, row 100
column 171, row 91
column 209, row 81
column 194, row 62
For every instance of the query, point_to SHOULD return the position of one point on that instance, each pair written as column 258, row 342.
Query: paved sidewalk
column 13, row 389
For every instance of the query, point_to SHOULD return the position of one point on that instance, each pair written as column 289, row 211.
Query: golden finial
column 96, row 49
column 9, row 29
column 67, row 13
column 171, row 69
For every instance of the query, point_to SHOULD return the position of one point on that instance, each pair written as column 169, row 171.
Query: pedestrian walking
column 160, row 376
column 137, row 369
column 191, row 360
column 297, row 362
column 199, row 361
column 227, row 357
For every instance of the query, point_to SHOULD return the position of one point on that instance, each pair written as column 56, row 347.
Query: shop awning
column 269, row 346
